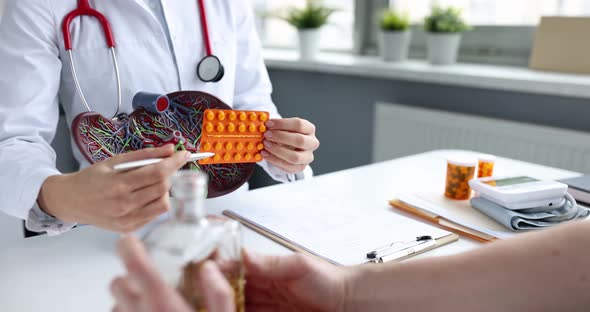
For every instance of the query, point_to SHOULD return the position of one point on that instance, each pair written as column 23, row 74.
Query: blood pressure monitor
column 520, row 192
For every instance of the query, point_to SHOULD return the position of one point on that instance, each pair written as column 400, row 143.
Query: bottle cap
column 486, row 157
column 462, row 160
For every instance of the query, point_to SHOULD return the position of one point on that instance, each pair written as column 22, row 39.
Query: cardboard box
column 562, row 44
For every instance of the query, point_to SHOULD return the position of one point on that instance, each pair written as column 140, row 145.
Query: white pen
column 421, row 246
column 151, row 161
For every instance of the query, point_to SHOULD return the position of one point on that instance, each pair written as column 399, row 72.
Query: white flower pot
column 443, row 49
column 309, row 43
column 394, row 45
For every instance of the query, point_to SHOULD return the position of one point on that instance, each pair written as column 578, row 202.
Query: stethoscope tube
column 209, row 68
column 79, row 88
column 205, row 28
column 84, row 9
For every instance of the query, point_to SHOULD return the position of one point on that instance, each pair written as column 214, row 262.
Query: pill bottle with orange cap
column 460, row 169
column 485, row 166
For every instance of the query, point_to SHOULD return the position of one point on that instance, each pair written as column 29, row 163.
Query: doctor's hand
column 290, row 143
column 121, row 201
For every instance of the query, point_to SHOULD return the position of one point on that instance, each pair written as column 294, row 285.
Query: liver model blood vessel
column 179, row 119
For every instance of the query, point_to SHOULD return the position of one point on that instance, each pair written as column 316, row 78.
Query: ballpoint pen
column 420, row 246
column 373, row 254
column 151, row 161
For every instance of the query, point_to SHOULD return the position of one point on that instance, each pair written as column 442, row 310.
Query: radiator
column 403, row 130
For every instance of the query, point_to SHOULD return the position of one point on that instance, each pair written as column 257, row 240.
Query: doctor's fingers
column 296, row 140
column 143, row 215
column 291, row 124
column 291, row 156
column 153, row 174
column 147, row 194
column 159, row 152
column 282, row 164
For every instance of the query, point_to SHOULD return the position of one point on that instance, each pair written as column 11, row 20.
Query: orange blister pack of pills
column 234, row 136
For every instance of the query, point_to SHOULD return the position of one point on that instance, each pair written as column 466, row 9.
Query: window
column 498, row 12
column 275, row 33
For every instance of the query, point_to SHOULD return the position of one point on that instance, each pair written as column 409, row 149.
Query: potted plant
column 308, row 21
column 444, row 27
column 395, row 36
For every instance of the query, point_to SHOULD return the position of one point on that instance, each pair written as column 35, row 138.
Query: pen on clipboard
column 146, row 162
column 444, row 223
column 398, row 254
column 373, row 254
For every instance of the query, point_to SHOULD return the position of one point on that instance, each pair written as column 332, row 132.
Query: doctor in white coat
column 159, row 44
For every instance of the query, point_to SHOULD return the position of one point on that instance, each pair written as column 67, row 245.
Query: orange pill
column 240, row 146
column 243, row 116
column 260, row 146
column 210, row 115
column 242, row 127
column 253, row 116
column 217, row 157
column 231, row 127
column 237, row 157
column 247, row 157
column 252, row 127
column 263, row 117
column 262, row 128
column 250, row 146
column 232, row 116
column 209, row 127
column 229, row 146
column 227, row 157
column 221, row 115
column 258, row 157
column 218, row 146
column 220, row 127
column 207, row 146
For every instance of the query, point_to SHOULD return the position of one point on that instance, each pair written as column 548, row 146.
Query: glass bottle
column 180, row 246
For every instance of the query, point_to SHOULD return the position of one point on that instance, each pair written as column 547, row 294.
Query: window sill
column 468, row 75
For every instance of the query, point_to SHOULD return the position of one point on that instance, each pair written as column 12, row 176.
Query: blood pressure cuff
column 531, row 219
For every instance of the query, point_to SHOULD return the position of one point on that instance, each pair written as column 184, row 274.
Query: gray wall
column 343, row 107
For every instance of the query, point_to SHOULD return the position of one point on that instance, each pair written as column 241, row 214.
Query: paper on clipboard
column 333, row 228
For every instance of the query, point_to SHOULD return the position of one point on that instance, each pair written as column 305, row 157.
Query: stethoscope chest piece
column 210, row 69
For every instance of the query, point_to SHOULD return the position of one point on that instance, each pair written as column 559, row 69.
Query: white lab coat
column 35, row 74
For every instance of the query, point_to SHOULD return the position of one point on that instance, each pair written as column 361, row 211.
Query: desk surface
column 72, row 272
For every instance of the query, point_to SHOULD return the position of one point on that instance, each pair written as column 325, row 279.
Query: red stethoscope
column 209, row 69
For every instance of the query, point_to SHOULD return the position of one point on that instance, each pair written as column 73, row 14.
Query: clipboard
column 455, row 216
column 439, row 238
column 442, row 222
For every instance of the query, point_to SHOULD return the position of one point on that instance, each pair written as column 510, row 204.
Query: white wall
column 404, row 130
column 1, row 7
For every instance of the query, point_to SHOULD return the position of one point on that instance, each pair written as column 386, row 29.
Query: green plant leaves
column 445, row 20
column 394, row 21
column 312, row 16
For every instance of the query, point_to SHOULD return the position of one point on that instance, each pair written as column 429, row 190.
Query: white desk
column 72, row 272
